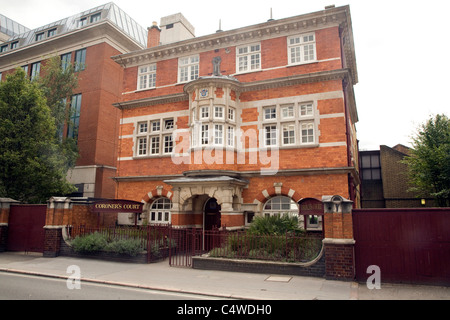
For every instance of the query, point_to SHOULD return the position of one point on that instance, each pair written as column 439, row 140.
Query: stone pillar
column 5, row 205
column 338, row 238
column 58, row 212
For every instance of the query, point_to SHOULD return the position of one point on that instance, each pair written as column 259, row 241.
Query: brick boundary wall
column 316, row 269
column 52, row 242
column 339, row 261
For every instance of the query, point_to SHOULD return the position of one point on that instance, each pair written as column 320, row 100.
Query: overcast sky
column 402, row 48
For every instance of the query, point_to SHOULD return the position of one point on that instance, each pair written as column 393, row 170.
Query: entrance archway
column 212, row 214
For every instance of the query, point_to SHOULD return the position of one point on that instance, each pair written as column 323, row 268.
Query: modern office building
column 88, row 39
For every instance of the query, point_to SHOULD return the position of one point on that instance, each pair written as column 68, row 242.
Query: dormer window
column 39, row 36
column 95, row 17
column 51, row 33
column 82, row 22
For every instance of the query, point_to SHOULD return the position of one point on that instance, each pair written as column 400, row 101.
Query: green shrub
column 275, row 225
column 130, row 247
column 93, row 242
column 96, row 242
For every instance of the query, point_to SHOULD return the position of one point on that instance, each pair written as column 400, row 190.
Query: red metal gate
column 409, row 245
column 26, row 228
column 189, row 243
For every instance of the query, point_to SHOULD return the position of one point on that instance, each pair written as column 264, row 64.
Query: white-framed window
column 147, row 77
column 168, row 124
column 307, row 132
column 306, row 109
column 270, row 135
column 156, row 126
column 287, row 111
column 154, row 145
column 160, row 211
column 142, row 146
column 288, row 134
column 188, row 68
column 168, row 144
column 204, row 113
column 142, row 127
column 270, row 113
column 152, row 139
column 231, row 114
column 302, row 48
column 313, row 222
column 218, row 134
column 280, row 206
column 248, row 58
column 230, row 136
column 218, row 112
column 205, row 134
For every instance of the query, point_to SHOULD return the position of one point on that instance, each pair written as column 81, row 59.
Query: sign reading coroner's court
column 117, row 206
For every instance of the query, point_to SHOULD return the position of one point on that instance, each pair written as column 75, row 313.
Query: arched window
column 160, row 211
column 279, row 206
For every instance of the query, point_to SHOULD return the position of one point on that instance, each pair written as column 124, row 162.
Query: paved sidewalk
column 160, row 276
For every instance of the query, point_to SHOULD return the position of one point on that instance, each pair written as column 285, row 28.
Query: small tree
column 33, row 166
column 429, row 161
column 57, row 82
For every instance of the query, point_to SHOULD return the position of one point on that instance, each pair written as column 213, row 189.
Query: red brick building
column 88, row 40
column 253, row 121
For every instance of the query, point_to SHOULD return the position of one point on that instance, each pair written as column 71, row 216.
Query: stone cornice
column 339, row 74
column 249, row 174
column 172, row 98
column 339, row 16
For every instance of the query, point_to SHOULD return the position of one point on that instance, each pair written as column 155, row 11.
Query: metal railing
column 180, row 245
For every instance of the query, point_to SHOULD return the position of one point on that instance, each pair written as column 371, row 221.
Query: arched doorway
column 212, row 214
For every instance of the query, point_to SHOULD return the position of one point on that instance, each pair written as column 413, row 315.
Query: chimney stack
column 154, row 35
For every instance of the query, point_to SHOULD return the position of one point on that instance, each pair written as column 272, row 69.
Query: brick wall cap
column 338, row 241
column 8, row 200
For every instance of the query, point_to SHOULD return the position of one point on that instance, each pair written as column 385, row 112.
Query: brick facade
column 317, row 93
column 99, row 85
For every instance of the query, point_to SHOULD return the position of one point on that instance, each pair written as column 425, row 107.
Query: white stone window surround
column 301, row 49
column 143, row 129
column 188, row 68
column 146, row 77
column 160, row 211
column 248, row 58
column 274, row 115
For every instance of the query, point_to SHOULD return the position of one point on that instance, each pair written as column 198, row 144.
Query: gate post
column 338, row 238
column 58, row 210
column 5, row 206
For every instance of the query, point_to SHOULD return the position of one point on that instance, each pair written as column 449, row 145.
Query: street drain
column 278, row 279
